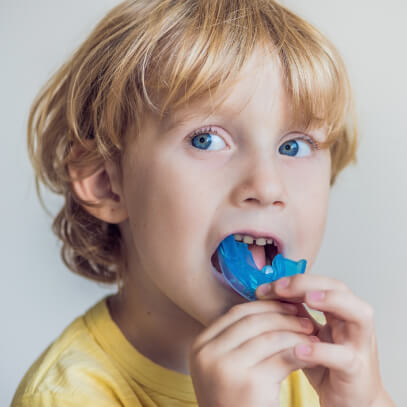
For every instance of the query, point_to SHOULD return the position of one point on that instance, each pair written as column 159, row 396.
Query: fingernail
column 316, row 295
column 264, row 290
column 283, row 282
column 315, row 339
column 303, row 349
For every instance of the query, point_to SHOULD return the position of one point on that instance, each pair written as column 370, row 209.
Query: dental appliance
column 240, row 271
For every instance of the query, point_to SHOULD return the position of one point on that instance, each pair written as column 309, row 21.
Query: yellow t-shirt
column 92, row 364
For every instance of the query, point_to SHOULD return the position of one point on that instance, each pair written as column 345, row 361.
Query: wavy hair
column 158, row 55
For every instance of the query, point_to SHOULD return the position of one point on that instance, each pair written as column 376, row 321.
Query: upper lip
column 256, row 234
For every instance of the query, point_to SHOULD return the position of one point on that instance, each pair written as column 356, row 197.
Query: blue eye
column 207, row 138
column 291, row 147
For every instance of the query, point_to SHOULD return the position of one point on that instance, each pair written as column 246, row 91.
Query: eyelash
column 314, row 144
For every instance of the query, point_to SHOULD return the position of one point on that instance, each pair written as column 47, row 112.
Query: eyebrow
column 178, row 119
column 203, row 112
column 173, row 121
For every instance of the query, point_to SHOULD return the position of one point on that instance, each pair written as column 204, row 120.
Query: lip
column 254, row 233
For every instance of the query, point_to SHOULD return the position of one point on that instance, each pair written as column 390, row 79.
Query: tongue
column 259, row 255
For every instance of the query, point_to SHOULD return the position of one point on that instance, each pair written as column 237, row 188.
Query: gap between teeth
column 260, row 241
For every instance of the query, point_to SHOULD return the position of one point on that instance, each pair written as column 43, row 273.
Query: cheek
column 309, row 198
column 170, row 209
column 188, row 197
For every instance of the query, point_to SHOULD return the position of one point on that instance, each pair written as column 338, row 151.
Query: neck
column 155, row 326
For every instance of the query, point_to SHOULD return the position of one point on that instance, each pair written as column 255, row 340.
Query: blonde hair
column 158, row 55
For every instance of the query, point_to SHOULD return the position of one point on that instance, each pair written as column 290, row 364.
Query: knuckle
column 296, row 277
column 341, row 285
column 295, row 280
column 351, row 361
column 236, row 311
column 204, row 358
column 252, row 321
column 290, row 322
column 194, row 350
column 197, row 345
column 293, row 323
column 367, row 313
column 288, row 356
column 265, row 339
column 270, row 321
column 222, row 371
column 199, row 357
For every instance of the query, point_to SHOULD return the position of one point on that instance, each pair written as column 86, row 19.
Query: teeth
column 260, row 241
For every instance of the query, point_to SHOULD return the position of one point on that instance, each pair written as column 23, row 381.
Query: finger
column 340, row 358
column 278, row 366
column 337, row 302
column 294, row 288
column 323, row 329
column 261, row 347
column 316, row 317
column 238, row 312
column 255, row 325
column 345, row 306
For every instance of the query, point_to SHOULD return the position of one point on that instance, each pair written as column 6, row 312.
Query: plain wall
column 365, row 239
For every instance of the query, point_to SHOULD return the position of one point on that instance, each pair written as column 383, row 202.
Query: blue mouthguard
column 240, row 270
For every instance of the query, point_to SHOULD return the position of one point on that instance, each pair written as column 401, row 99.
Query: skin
column 177, row 216
column 346, row 371
column 175, row 204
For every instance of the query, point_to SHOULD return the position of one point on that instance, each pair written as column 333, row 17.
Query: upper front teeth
column 249, row 240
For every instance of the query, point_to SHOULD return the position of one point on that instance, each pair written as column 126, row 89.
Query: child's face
column 185, row 196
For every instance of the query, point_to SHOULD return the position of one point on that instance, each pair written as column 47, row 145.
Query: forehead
column 260, row 81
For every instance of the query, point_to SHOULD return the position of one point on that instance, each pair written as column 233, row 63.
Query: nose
column 260, row 183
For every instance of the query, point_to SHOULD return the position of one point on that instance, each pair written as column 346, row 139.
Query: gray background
column 365, row 238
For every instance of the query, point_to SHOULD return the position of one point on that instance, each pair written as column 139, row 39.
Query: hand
column 346, row 358
column 241, row 359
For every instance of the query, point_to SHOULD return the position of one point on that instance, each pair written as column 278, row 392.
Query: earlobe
column 98, row 188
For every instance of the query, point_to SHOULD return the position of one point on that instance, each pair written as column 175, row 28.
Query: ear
column 102, row 187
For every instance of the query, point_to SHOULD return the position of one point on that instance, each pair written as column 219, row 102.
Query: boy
column 175, row 125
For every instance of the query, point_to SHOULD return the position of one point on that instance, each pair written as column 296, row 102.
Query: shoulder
column 71, row 370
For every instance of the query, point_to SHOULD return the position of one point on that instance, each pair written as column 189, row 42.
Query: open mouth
column 263, row 254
